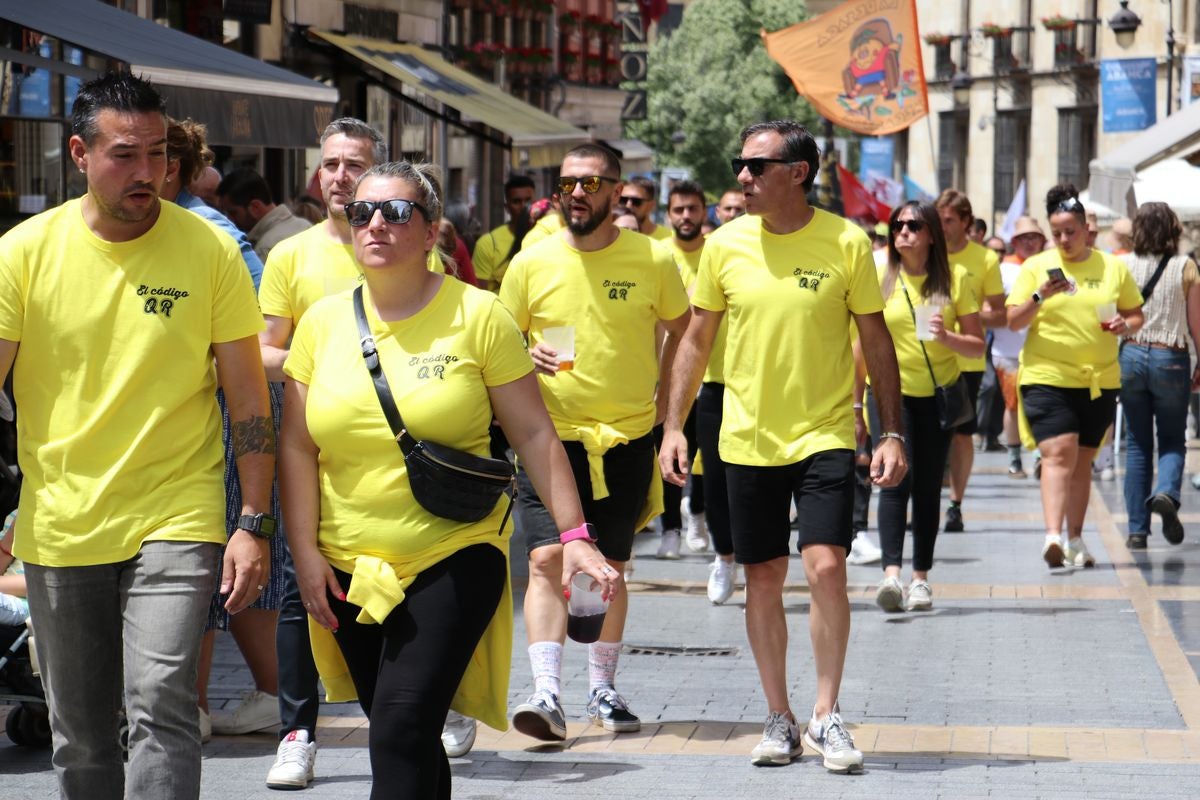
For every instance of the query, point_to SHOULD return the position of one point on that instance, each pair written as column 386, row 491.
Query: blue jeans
column 1155, row 383
column 124, row 634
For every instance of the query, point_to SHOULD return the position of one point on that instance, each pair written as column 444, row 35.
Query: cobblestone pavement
column 1023, row 682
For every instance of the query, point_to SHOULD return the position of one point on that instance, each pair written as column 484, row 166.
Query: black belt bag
column 446, row 482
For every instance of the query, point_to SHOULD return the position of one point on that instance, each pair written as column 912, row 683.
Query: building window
column 943, row 69
column 953, row 131
column 31, row 169
column 1012, row 155
column 1066, row 52
column 1076, row 143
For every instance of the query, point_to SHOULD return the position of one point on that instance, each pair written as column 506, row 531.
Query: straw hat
column 1027, row 225
column 1123, row 226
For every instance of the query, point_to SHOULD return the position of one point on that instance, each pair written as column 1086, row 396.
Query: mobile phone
column 1056, row 274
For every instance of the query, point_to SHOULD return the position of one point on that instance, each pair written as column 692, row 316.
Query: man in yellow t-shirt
column 611, row 288
column 112, row 309
column 495, row 249
column 300, row 271
column 790, row 278
column 983, row 280
column 731, row 206
column 640, row 197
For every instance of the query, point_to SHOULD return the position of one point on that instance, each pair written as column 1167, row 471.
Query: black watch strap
column 261, row 525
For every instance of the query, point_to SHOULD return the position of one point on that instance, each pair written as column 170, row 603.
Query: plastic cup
column 585, row 609
column 562, row 339
column 924, row 313
column 1105, row 312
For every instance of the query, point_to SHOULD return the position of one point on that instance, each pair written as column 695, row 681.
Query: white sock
column 602, row 664
column 545, row 659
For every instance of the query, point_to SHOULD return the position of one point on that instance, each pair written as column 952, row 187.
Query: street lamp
column 1124, row 24
column 960, row 85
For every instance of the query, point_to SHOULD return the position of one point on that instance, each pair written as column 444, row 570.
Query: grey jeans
column 124, row 634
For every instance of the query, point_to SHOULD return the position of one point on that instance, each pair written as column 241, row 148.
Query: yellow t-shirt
column 491, row 253
column 119, row 431
column 789, row 300
column 550, row 224
column 661, row 233
column 689, row 268
column 1065, row 346
column 613, row 297
column 983, row 280
column 914, row 373
column 439, row 363
column 688, row 262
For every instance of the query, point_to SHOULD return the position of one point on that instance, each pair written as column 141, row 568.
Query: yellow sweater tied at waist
column 1078, row 373
column 597, row 440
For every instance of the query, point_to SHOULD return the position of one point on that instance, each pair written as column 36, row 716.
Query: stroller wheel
column 35, row 726
column 12, row 725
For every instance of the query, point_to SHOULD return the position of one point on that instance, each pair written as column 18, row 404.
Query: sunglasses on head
column 636, row 202
column 397, row 212
column 914, row 225
column 1071, row 204
column 756, row 165
column 591, row 184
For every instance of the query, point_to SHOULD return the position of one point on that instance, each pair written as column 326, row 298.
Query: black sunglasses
column 914, row 225
column 591, row 183
column 397, row 212
column 636, row 202
column 755, row 165
column 1071, row 204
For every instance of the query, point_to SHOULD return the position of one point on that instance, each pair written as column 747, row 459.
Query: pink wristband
column 584, row 531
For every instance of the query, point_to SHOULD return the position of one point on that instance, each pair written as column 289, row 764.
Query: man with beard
column 613, row 287
column 638, row 195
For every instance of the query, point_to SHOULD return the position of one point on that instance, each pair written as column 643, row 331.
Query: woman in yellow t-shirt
column 421, row 604
column 917, row 280
column 1077, row 302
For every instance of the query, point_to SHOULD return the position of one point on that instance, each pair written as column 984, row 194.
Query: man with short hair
column 978, row 231
column 245, row 198
column 301, row 270
column 205, row 185
column 731, row 205
column 113, row 308
column 792, row 278
column 613, row 287
column 495, row 249
column 983, row 279
column 640, row 196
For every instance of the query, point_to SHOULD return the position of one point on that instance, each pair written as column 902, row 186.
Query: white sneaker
column 205, row 726
column 920, row 596
column 669, row 546
column 780, row 742
column 696, row 534
column 294, row 762
column 721, row 577
column 830, row 738
column 890, row 595
column 1052, row 550
column 257, row 711
column 863, row 550
column 1077, row 555
column 458, row 734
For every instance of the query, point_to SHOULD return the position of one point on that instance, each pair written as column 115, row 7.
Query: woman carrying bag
column 923, row 300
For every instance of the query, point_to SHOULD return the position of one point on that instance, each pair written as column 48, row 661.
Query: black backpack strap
column 382, row 390
column 1148, row 289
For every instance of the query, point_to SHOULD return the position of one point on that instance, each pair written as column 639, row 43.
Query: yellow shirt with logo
column 490, row 258
column 613, row 297
column 439, row 364
column 119, row 431
column 1065, row 346
column 983, row 280
column 914, row 372
column 789, row 300
column 550, row 224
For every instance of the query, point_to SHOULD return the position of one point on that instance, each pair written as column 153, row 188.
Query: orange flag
column 858, row 64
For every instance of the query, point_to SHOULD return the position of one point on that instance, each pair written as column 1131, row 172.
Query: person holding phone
column 1076, row 302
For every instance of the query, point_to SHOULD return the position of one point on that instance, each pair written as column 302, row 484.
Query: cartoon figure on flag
column 866, row 76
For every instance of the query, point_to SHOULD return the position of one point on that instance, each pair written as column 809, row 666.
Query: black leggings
column 927, row 448
column 407, row 670
column 716, row 493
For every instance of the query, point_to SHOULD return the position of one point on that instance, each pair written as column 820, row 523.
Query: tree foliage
column 711, row 78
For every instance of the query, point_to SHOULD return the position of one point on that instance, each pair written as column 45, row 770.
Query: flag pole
column 932, row 153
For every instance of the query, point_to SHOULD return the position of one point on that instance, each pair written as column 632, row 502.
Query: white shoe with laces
column 458, row 734
column 294, row 762
column 920, row 596
column 863, row 550
column 780, row 742
column 257, row 711
column 830, row 738
column 1077, row 555
column 669, row 546
column 695, row 532
column 1052, row 550
column 721, row 577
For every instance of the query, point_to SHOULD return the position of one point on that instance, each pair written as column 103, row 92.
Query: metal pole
column 1170, row 55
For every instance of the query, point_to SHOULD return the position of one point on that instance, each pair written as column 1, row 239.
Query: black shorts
column 628, row 469
column 974, row 381
column 1053, row 411
column 760, row 499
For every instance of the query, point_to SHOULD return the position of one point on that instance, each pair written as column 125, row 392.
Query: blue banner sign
column 1127, row 93
column 877, row 157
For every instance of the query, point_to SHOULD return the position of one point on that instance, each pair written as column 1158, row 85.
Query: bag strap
column 1148, row 289
column 913, row 312
column 382, row 390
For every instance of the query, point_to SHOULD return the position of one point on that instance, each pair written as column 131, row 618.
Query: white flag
column 1016, row 209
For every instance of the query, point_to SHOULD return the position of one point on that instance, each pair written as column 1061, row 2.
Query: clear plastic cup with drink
column 562, row 340
column 1105, row 312
column 924, row 313
column 586, row 607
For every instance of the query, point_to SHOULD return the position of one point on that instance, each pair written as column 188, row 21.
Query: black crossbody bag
column 446, row 482
column 953, row 400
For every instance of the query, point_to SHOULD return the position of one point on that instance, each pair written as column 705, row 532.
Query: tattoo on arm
column 254, row 435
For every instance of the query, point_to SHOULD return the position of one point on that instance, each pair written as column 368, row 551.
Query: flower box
column 1058, row 23
column 993, row 31
column 938, row 39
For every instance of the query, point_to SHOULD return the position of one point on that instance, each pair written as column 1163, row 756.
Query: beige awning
column 1112, row 177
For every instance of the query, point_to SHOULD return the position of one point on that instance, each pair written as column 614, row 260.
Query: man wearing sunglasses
column 612, row 287
column 791, row 279
column 639, row 195
column 495, row 249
